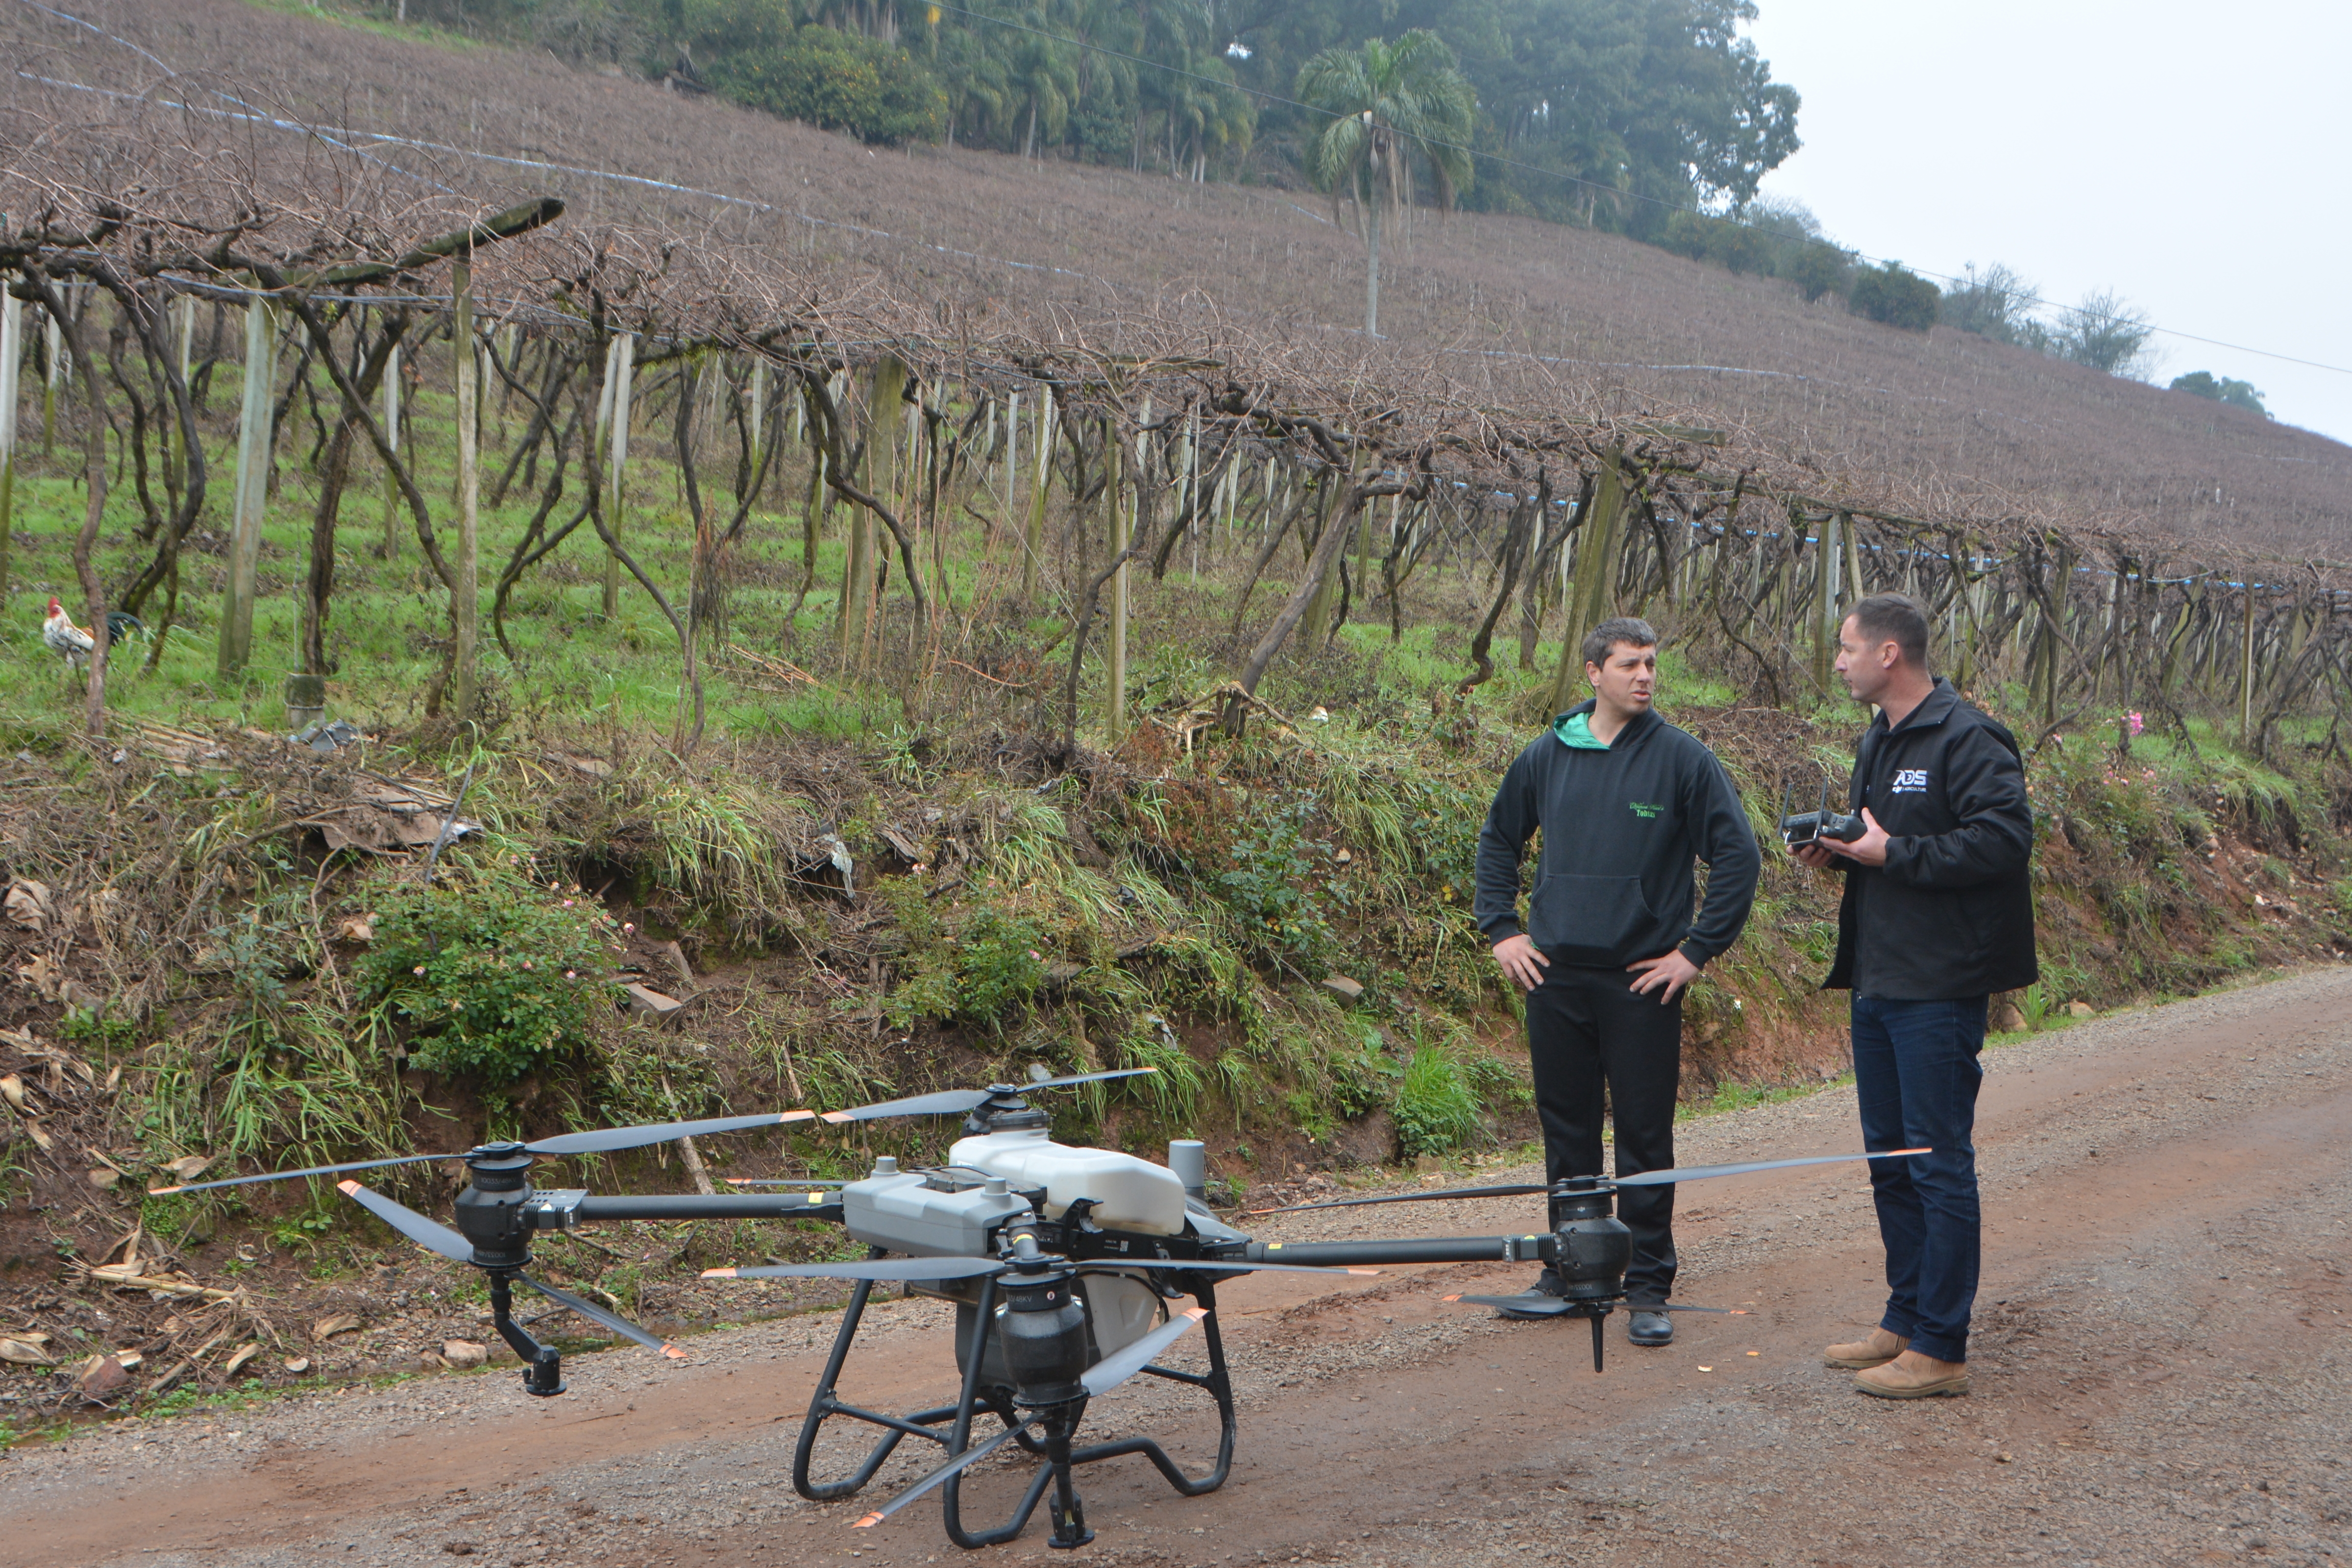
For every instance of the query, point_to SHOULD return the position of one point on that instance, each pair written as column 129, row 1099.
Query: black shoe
column 1548, row 1283
column 1647, row 1328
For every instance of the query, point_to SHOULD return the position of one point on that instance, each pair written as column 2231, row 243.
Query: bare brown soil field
column 2161, row 1376
column 1618, row 326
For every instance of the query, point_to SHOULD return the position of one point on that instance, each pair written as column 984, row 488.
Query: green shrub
column 1277, row 887
column 494, row 980
column 842, row 81
column 1436, row 1107
column 1895, row 295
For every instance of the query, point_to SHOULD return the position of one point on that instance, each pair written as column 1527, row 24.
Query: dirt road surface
column 2162, row 1375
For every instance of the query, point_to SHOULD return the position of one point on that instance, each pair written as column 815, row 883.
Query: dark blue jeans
column 1915, row 1073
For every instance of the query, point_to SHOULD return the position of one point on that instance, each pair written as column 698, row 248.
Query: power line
column 1498, row 159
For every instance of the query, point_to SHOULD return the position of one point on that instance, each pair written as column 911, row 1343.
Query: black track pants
column 1585, row 1028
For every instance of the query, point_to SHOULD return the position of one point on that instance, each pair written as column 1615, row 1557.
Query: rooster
column 75, row 644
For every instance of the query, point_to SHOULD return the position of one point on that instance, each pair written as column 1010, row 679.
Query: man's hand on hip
column 1667, row 974
column 1870, row 849
column 1521, row 961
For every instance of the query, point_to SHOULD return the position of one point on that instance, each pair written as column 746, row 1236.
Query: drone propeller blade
column 306, row 1171
column 956, row 1101
column 947, row 1102
column 426, row 1232
column 1088, row 1077
column 1113, row 1370
column 1700, row 1172
column 1531, row 1304
column 1678, row 1307
column 792, row 1182
column 1511, row 1190
column 596, row 1314
column 953, row 1468
column 1204, row 1266
column 609, row 1139
column 882, row 1268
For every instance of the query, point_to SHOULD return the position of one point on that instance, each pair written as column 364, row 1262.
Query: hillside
column 1617, row 325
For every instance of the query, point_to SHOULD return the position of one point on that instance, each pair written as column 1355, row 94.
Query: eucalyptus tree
column 1395, row 108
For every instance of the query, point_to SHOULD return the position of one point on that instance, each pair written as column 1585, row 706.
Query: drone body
column 1064, row 1264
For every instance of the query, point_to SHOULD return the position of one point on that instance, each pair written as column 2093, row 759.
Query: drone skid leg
column 824, row 1405
column 1069, row 1514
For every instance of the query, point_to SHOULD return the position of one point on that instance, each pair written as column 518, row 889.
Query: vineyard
column 943, row 627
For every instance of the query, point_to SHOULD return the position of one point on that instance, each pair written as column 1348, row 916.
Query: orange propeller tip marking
column 1196, row 1313
column 798, row 1116
column 1359, row 1271
column 1449, row 1297
column 837, row 1117
column 673, row 1352
column 868, row 1522
column 719, row 1273
column 159, row 1192
column 347, row 1188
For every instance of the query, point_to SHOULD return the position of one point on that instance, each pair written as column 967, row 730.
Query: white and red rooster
column 73, row 644
column 66, row 640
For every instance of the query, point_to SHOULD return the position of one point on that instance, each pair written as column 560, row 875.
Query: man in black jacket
column 1628, row 803
column 1938, row 914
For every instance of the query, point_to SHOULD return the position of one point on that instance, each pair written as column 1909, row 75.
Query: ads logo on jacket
column 1909, row 781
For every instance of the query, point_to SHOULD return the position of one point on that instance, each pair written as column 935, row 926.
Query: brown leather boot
column 1912, row 1375
column 1879, row 1347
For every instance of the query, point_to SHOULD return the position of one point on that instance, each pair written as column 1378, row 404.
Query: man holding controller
column 1627, row 804
column 1938, row 914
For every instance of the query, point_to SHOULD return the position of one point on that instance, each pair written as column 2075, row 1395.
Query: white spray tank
column 1130, row 1194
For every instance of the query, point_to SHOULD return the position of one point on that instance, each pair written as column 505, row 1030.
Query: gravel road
column 2161, row 1376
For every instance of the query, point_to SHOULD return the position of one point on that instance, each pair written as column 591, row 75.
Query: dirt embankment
column 2161, row 1375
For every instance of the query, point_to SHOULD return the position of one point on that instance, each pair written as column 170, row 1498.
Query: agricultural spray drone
column 1064, row 1265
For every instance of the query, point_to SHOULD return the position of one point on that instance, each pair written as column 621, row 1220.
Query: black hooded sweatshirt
column 1951, row 915
column 1622, row 828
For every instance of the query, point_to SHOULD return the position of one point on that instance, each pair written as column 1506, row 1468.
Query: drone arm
column 711, row 1205
column 1411, row 1250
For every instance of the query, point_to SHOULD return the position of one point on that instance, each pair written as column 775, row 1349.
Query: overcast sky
column 2188, row 155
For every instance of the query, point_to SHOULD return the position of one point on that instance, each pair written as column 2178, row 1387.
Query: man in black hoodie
column 1628, row 805
column 1938, row 914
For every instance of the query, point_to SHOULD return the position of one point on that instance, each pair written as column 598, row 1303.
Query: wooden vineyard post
column 12, row 334
column 392, row 439
column 253, row 432
column 1122, row 521
column 1596, row 576
column 469, row 357
column 620, row 367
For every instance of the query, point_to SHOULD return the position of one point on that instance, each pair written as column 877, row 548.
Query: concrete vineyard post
column 468, row 358
column 756, row 428
column 1596, row 563
column 620, row 368
column 12, row 347
column 392, row 439
column 2246, row 668
column 1033, row 542
column 54, row 342
column 253, row 432
column 883, row 417
column 1825, row 624
column 1114, row 694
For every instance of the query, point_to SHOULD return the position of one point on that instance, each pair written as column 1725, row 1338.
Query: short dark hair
column 1896, row 618
column 1614, row 630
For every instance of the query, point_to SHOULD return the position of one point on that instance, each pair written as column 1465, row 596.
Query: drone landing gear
column 1050, row 1444
column 542, row 1365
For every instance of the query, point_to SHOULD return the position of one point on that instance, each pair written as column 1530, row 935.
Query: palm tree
column 1394, row 106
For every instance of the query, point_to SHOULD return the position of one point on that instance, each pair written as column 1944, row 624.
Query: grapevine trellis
column 1090, row 449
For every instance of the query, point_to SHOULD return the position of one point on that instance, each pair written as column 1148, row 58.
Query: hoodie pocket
column 1589, row 921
